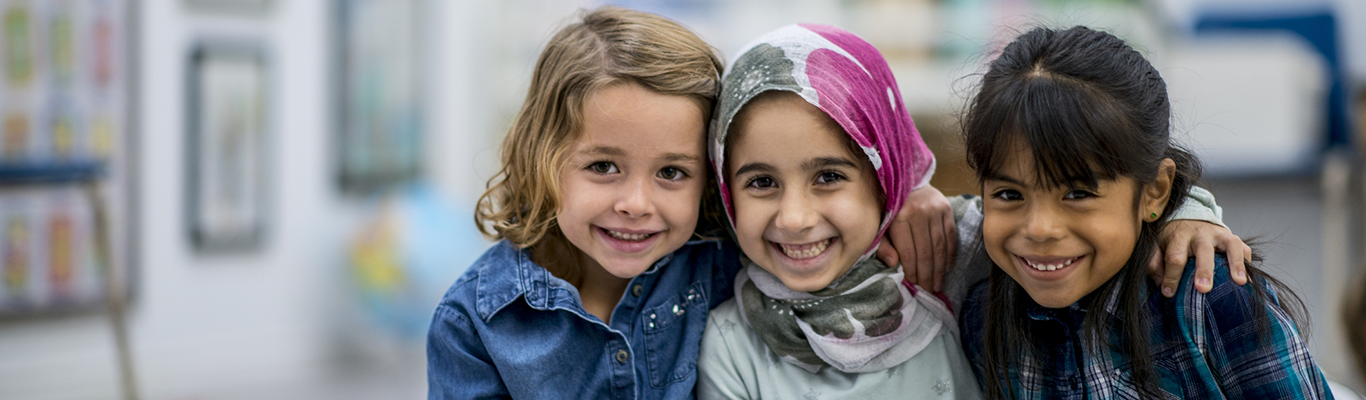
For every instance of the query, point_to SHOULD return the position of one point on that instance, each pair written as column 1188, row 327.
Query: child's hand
column 1183, row 239
column 922, row 232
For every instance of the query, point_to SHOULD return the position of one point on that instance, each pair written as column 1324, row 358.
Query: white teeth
column 630, row 237
column 1048, row 267
column 812, row 251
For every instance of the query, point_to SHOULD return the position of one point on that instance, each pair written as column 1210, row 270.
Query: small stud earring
column 1153, row 215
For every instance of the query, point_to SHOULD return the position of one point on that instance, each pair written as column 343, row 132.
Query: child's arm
column 1197, row 231
column 458, row 366
column 923, row 232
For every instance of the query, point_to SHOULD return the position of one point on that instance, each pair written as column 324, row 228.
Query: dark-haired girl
column 1069, row 138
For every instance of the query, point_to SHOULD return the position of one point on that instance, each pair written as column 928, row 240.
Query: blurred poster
column 47, row 257
column 227, row 140
column 63, row 128
column 380, row 109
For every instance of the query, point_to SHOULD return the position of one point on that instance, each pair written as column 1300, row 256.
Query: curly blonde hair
column 605, row 46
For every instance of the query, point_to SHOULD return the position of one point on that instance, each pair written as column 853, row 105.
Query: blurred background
column 264, row 199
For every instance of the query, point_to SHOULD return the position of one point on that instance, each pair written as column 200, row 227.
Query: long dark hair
column 1089, row 108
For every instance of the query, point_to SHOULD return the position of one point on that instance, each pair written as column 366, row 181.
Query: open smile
column 804, row 251
column 628, row 241
column 1048, row 264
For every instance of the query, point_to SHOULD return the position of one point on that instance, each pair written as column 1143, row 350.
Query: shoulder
column 724, row 323
column 1229, row 304
column 489, row 284
column 1232, row 319
column 972, row 318
column 727, row 337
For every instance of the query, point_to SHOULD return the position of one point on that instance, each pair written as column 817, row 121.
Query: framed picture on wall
column 380, row 105
column 230, row 6
column 227, row 136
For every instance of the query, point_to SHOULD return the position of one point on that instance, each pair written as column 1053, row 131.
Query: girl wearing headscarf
column 815, row 153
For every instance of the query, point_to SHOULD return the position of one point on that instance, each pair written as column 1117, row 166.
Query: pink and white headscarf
column 845, row 77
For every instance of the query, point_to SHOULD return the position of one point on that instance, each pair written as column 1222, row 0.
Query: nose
column 1043, row 224
column 795, row 213
column 634, row 199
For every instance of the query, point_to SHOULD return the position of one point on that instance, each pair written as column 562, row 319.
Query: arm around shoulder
column 458, row 366
column 1200, row 206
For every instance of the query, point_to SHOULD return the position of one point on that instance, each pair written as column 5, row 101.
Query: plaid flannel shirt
column 1205, row 346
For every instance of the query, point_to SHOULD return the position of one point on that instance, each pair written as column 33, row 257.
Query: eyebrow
column 754, row 167
column 816, row 163
column 823, row 162
column 1003, row 178
column 1011, row 180
column 680, row 157
column 605, row 150
column 618, row 152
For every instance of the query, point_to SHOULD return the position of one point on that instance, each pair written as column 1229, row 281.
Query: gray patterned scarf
column 865, row 321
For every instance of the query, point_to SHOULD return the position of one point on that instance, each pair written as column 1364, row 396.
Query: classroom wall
column 203, row 323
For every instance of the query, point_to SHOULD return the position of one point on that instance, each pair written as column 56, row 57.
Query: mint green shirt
column 735, row 364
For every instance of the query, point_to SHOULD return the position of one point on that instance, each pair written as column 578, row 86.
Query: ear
column 1153, row 204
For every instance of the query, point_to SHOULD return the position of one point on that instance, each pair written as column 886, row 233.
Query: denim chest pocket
column 673, row 333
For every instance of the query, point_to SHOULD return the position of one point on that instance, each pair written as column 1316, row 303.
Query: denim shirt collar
column 515, row 275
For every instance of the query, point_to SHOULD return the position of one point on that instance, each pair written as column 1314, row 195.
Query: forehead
column 1014, row 160
column 634, row 120
column 784, row 124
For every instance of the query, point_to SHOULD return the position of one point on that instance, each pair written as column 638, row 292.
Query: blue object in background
column 1319, row 28
column 403, row 261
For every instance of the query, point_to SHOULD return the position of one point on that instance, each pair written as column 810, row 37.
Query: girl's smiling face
column 805, row 208
column 632, row 183
column 1061, row 243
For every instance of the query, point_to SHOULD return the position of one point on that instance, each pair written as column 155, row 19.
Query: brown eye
column 1008, row 195
column 1078, row 195
column 603, row 167
column 671, row 173
column 761, row 182
column 829, row 177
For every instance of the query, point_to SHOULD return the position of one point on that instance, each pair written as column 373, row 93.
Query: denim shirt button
column 621, row 356
column 637, row 290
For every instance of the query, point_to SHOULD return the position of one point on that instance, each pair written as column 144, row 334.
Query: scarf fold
column 864, row 322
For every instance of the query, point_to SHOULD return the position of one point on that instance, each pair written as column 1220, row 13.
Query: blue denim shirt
column 508, row 328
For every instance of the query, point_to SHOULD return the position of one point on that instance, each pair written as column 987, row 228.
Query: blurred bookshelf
column 66, row 173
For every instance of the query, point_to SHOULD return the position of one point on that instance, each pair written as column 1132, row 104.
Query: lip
column 804, row 265
column 628, row 246
column 1068, row 265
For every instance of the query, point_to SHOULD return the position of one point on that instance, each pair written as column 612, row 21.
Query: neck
column 600, row 290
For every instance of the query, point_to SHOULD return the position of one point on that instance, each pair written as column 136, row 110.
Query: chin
column 806, row 285
column 1052, row 300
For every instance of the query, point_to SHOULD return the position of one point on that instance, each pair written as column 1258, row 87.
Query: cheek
column 994, row 231
column 749, row 223
column 684, row 203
